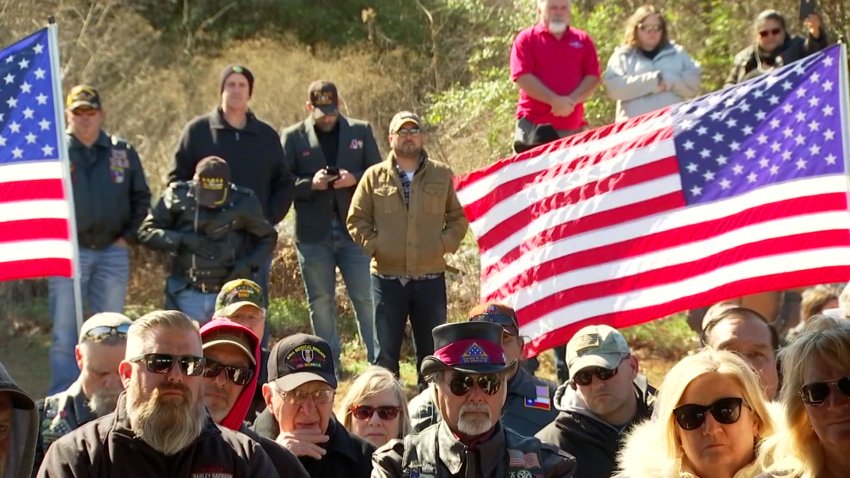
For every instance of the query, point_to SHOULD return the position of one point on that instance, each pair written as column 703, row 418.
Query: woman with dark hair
column 648, row 71
column 775, row 47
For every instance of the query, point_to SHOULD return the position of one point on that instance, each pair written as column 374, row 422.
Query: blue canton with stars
column 781, row 126
column 27, row 126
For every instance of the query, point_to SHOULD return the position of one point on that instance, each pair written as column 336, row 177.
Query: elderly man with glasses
column 603, row 399
column 299, row 416
column 103, row 339
column 160, row 426
column 470, row 373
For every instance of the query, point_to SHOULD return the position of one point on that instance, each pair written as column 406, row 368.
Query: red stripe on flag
column 507, row 189
column 753, row 285
column 31, row 190
column 35, row 268
column 520, row 220
column 674, row 273
column 33, row 229
column 660, row 241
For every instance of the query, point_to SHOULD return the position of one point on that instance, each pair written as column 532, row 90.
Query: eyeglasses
column 96, row 334
column 300, row 397
column 365, row 412
column 237, row 375
column 412, row 131
column 726, row 411
column 771, row 32
column 650, row 28
column 585, row 376
column 84, row 112
column 190, row 365
column 815, row 394
column 461, row 384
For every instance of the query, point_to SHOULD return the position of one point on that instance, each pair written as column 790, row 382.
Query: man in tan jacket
column 406, row 215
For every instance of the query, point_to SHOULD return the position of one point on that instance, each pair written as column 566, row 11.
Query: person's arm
column 65, row 460
column 624, row 85
column 456, row 222
column 685, row 83
column 256, row 225
column 371, row 153
column 303, row 183
column 386, row 461
column 361, row 221
column 156, row 229
column 140, row 197
column 282, row 187
column 184, row 159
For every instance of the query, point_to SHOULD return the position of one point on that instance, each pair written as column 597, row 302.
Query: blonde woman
column 711, row 416
column 815, row 441
column 375, row 407
column 648, row 71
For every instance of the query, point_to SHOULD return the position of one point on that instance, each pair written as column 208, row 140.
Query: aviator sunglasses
column 237, row 375
column 461, row 384
column 771, row 32
column 585, row 376
column 190, row 365
column 815, row 394
column 725, row 411
column 96, row 334
column 365, row 412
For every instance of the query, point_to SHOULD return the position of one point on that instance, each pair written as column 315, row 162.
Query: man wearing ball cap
column 469, row 373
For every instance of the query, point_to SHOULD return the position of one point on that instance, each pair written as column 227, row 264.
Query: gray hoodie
column 24, row 429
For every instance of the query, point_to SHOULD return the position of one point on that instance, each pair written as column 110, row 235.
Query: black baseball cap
column 213, row 180
column 299, row 359
column 323, row 97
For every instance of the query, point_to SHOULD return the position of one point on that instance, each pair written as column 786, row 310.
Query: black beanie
column 229, row 70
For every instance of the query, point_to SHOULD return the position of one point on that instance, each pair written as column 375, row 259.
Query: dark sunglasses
column 162, row 363
column 409, row 131
column 237, row 375
column 84, row 112
column 815, row 394
column 461, row 384
column 100, row 332
column 650, row 28
column 726, row 411
column 771, row 32
column 365, row 412
column 585, row 376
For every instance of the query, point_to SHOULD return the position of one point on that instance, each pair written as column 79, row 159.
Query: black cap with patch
column 299, row 359
column 323, row 97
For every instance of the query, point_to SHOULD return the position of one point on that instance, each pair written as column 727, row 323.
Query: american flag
column 737, row 192
column 34, row 213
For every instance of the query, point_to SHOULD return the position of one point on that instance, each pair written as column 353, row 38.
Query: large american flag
column 34, row 213
column 737, row 192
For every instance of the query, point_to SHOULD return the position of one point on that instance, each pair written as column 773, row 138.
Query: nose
column 175, row 374
column 220, row 379
column 711, row 426
column 375, row 421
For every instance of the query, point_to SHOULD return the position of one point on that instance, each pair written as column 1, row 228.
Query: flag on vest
column 34, row 211
column 737, row 192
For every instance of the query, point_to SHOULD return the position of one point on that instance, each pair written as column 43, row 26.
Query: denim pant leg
column 428, row 310
column 60, row 293
column 392, row 306
column 107, row 287
column 197, row 305
column 354, row 267
column 318, row 270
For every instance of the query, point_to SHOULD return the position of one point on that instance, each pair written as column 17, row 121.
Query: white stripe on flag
column 40, row 249
column 40, row 209
column 30, row 171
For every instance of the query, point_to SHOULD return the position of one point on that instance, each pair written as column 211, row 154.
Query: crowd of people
column 195, row 389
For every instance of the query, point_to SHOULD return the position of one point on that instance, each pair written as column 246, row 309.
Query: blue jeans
column 196, row 304
column 318, row 262
column 424, row 301
column 104, row 275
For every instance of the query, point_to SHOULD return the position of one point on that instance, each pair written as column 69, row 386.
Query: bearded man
column 470, row 377
column 160, row 426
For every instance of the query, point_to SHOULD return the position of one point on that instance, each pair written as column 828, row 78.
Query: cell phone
column 332, row 171
column 807, row 7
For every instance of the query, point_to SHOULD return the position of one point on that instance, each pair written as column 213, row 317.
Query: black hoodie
column 24, row 429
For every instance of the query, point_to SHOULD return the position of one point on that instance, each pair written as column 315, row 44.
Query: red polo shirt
column 559, row 64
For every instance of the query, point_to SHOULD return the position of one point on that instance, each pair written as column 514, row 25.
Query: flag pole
column 844, row 111
column 59, row 120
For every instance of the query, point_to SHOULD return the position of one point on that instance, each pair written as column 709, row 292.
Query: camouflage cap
column 83, row 95
column 596, row 346
column 238, row 293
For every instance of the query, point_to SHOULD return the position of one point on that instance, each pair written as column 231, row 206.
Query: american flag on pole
column 35, row 215
column 737, row 192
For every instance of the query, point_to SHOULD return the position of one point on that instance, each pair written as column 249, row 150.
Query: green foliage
column 669, row 338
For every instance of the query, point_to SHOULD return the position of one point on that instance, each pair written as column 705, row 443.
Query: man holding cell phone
column 328, row 153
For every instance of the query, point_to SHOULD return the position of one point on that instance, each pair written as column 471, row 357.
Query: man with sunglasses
column 603, row 399
column 111, row 198
column 469, row 372
column 328, row 154
column 160, row 426
column 103, row 341
column 406, row 215
column 231, row 352
column 528, row 406
column 300, row 398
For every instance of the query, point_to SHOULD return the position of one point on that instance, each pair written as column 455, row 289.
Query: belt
column 206, row 280
column 205, row 287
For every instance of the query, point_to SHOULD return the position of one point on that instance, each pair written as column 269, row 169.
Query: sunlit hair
column 689, row 369
column 797, row 450
column 844, row 301
column 142, row 328
column 371, row 382
column 633, row 23
column 769, row 15
column 815, row 298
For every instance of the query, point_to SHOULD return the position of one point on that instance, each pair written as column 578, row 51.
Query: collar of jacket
column 82, row 412
column 217, row 121
column 101, row 141
column 453, row 452
column 423, row 160
column 121, row 423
